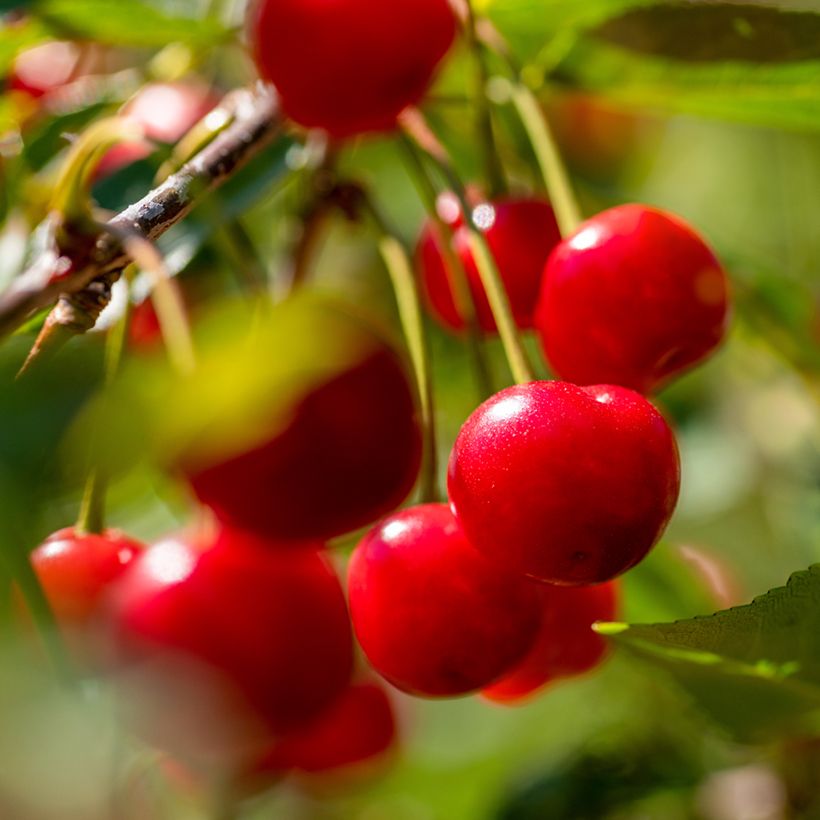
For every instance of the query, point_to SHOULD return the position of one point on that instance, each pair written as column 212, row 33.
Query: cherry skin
column 521, row 234
column 221, row 644
column 356, row 731
column 350, row 454
column 350, row 66
column 569, row 485
column 76, row 571
column 634, row 297
column 433, row 616
column 566, row 645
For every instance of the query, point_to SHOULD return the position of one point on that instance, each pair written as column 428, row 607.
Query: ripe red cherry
column 358, row 728
column 44, row 68
column 432, row 615
column 570, row 485
column 221, row 646
column 166, row 112
column 520, row 232
column 566, row 645
column 76, row 571
column 634, row 297
column 350, row 66
column 349, row 455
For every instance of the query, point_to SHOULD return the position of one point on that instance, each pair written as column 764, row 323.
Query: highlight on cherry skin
column 566, row 645
column 349, row 66
column 520, row 231
column 566, row 484
column 647, row 291
column 431, row 614
column 222, row 643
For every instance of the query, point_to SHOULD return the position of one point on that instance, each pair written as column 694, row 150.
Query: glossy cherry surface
column 432, row 615
column 350, row 454
column 520, row 232
column 76, row 572
column 566, row 484
column 350, row 66
column 566, row 645
column 634, row 297
column 221, row 646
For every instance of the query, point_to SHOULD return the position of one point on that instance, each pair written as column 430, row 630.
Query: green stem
column 405, row 287
column 553, row 170
column 243, row 256
column 92, row 510
column 488, row 271
column 456, row 274
column 494, row 172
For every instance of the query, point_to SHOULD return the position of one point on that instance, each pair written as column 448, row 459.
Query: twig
column 256, row 122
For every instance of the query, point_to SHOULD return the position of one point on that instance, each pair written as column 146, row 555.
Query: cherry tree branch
column 91, row 268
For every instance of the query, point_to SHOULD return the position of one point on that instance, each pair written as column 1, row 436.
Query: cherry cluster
column 231, row 645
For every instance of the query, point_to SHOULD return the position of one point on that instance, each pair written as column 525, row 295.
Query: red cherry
column 520, row 232
column 43, row 68
column 566, row 645
column 166, row 112
column 431, row 614
column 350, row 454
column 570, row 485
column 350, row 66
column 359, row 727
column 144, row 329
column 222, row 646
column 633, row 297
column 76, row 572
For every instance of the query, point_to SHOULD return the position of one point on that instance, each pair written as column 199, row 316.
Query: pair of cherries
column 548, row 482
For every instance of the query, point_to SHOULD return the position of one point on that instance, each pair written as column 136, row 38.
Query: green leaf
column 125, row 22
column 785, row 95
column 716, row 31
column 755, row 668
column 14, row 39
column 254, row 365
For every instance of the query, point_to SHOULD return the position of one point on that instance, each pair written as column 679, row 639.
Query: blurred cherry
column 566, row 644
column 521, row 232
column 221, row 643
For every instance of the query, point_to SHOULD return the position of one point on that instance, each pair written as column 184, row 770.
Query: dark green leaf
column 753, row 668
column 714, row 32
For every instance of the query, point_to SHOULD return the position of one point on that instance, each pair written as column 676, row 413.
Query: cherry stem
column 417, row 129
column 456, row 275
column 167, row 299
column 400, row 269
column 536, row 125
column 493, row 170
column 92, row 510
column 553, row 170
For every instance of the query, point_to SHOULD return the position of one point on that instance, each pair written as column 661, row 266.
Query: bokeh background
column 711, row 110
